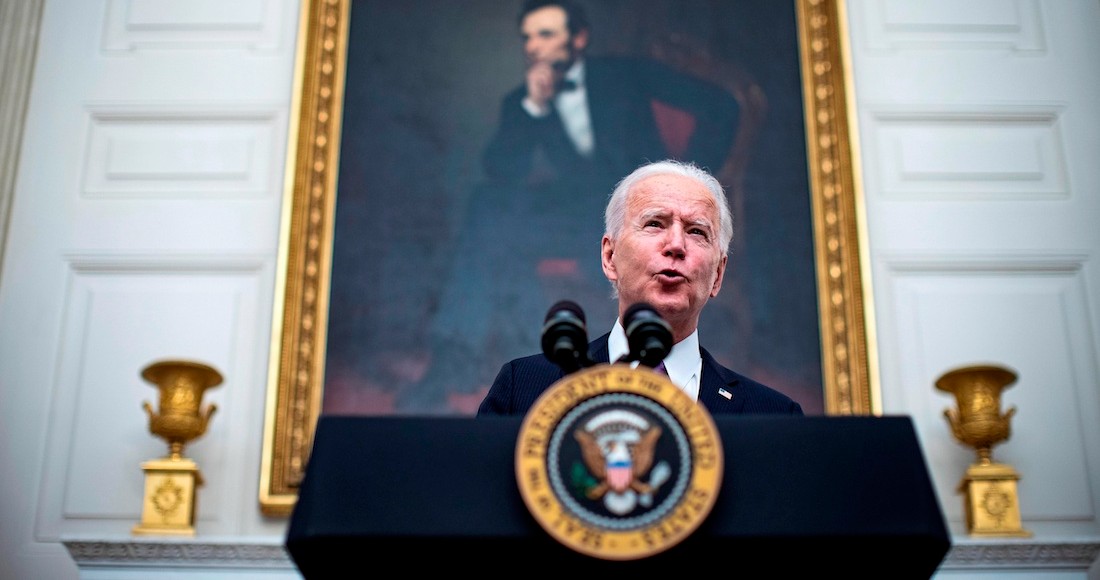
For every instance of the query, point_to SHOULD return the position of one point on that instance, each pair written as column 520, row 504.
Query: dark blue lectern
column 799, row 496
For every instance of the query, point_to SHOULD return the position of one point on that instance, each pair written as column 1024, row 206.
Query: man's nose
column 675, row 241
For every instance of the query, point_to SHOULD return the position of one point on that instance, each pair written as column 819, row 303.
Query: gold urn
column 991, row 502
column 182, row 384
column 171, row 482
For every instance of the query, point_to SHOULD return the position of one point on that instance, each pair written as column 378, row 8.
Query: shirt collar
column 576, row 73
column 681, row 363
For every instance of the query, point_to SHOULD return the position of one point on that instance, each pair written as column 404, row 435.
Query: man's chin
column 670, row 308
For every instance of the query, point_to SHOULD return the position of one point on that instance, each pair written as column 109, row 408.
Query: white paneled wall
column 144, row 226
column 978, row 126
column 146, row 210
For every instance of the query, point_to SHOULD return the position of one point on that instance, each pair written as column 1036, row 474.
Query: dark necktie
column 567, row 85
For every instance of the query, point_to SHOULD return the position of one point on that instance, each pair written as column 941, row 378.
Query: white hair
column 615, row 215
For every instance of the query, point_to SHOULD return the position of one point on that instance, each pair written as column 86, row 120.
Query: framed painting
column 417, row 255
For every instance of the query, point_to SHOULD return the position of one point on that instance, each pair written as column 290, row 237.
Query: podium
column 799, row 495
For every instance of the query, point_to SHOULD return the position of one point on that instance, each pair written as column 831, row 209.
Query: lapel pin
column 725, row 393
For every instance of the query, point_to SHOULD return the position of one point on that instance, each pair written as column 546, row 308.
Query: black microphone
column 564, row 336
column 649, row 335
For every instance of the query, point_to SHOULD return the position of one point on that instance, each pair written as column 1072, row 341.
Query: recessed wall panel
column 192, row 24
column 1014, row 25
column 172, row 154
column 966, row 155
column 1028, row 315
column 121, row 315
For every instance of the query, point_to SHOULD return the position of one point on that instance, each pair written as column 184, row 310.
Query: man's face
column 546, row 38
column 668, row 253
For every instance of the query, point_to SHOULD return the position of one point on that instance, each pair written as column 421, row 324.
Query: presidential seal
column 618, row 463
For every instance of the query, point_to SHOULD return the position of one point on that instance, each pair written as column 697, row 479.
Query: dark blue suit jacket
column 520, row 383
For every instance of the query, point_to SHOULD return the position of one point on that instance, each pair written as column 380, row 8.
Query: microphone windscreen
column 567, row 306
column 634, row 309
column 564, row 337
column 647, row 333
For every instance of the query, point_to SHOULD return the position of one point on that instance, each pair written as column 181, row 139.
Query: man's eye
column 653, row 224
column 699, row 232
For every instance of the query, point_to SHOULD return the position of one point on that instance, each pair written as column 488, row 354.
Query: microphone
column 649, row 336
column 564, row 336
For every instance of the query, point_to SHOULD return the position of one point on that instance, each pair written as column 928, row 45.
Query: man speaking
column 668, row 228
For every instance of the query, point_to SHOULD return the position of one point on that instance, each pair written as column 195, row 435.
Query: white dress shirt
column 683, row 363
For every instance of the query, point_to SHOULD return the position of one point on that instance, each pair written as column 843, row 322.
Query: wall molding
column 268, row 554
column 972, row 554
column 19, row 23
column 259, row 553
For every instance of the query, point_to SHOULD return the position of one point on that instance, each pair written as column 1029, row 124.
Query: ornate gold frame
column 300, row 316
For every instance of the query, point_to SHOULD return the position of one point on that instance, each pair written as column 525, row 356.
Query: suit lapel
column 715, row 381
column 598, row 351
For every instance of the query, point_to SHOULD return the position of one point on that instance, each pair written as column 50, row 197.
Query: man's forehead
column 666, row 191
column 545, row 18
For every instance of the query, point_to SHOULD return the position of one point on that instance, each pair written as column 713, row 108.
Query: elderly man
column 667, row 233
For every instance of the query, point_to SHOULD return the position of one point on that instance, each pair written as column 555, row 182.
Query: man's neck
column 618, row 346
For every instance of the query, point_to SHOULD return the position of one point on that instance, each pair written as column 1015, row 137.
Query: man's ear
column 607, row 252
column 718, row 279
column 580, row 40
